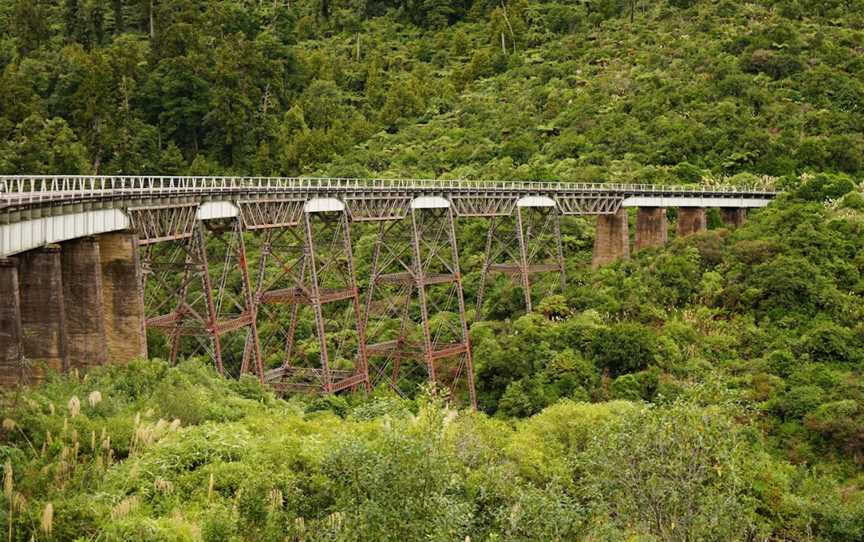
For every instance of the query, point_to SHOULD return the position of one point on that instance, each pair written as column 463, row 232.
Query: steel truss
column 415, row 308
column 162, row 223
column 209, row 294
column 522, row 245
column 306, row 267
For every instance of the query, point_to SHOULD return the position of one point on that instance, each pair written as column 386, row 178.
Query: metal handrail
column 24, row 188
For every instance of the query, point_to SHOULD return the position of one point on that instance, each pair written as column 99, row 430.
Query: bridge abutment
column 733, row 217
column 43, row 315
column 691, row 220
column 82, row 296
column 612, row 241
column 651, row 227
column 122, row 297
column 11, row 348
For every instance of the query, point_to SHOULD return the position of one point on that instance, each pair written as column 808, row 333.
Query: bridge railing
column 22, row 188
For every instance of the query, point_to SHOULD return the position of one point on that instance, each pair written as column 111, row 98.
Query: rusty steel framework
column 319, row 276
column 522, row 246
column 298, row 308
column 206, row 300
column 415, row 305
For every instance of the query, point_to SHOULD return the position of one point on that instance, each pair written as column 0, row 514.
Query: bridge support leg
column 82, row 297
column 460, row 297
column 612, row 241
column 733, row 217
column 11, row 348
column 323, row 278
column 488, row 259
column 525, row 280
column 362, row 363
column 43, row 315
column 206, row 279
column 651, row 227
column 538, row 249
column 431, row 229
column 122, row 297
column 416, row 281
column 691, row 220
column 253, row 343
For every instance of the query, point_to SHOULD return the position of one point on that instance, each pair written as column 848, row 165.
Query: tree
column 624, row 348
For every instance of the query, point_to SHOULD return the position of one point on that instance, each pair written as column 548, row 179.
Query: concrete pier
column 691, row 220
column 652, row 228
column 612, row 241
column 11, row 348
column 733, row 217
column 43, row 315
column 82, row 296
column 122, row 298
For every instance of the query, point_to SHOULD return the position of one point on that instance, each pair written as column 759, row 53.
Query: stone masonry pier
column 612, row 242
column 72, row 305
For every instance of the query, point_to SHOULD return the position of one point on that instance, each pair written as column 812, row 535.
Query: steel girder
column 160, row 223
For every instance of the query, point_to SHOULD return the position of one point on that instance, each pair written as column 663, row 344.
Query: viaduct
column 92, row 265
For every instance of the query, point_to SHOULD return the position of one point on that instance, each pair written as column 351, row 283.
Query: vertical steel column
column 292, row 325
column 213, row 322
column 251, row 303
column 466, row 339
column 523, row 260
column 373, row 271
column 420, row 281
column 359, row 318
column 181, row 309
column 266, row 247
column 559, row 247
column 487, row 263
column 400, row 343
column 315, row 299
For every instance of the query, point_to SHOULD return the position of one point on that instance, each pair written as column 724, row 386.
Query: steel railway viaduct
column 89, row 265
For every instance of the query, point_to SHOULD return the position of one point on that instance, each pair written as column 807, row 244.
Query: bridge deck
column 18, row 191
column 39, row 210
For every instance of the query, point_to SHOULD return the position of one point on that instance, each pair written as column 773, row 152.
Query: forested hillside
column 582, row 90
column 709, row 390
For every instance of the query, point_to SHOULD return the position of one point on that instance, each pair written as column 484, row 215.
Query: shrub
column 688, row 472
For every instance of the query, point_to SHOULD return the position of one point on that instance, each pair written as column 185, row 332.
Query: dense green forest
column 628, row 90
column 710, row 390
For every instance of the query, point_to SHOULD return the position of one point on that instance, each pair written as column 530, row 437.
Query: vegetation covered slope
column 586, row 90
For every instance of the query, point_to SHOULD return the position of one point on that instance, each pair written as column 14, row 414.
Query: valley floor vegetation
column 150, row 452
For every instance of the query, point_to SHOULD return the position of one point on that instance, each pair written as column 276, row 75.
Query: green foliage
column 689, row 480
column 623, row 348
column 825, row 186
column 431, row 88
